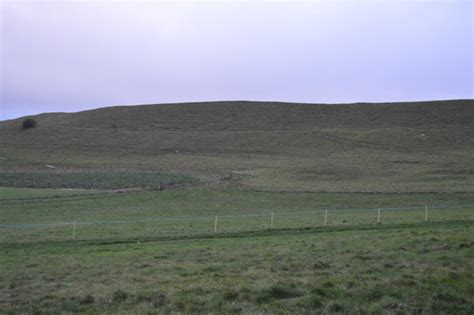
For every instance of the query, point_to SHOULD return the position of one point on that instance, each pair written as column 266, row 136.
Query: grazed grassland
column 402, row 148
column 192, row 211
column 239, row 158
column 416, row 269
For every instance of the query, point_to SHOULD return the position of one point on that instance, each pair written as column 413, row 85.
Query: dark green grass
column 91, row 180
column 420, row 269
column 29, row 194
column 206, row 202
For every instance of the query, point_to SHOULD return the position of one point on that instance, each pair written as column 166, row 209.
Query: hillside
column 293, row 208
column 393, row 147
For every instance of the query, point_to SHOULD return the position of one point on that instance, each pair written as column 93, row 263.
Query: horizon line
column 246, row 101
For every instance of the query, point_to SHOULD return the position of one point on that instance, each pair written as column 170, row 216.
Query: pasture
column 129, row 263
column 239, row 207
column 201, row 212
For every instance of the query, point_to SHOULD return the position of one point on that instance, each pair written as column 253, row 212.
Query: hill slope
column 394, row 147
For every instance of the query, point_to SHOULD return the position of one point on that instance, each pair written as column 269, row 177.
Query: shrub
column 29, row 123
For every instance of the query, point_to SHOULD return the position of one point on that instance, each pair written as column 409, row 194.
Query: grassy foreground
column 353, row 265
column 421, row 269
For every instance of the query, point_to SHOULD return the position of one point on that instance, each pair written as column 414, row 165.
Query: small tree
column 29, row 123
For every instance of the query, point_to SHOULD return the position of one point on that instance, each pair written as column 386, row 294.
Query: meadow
column 416, row 268
column 203, row 211
column 125, row 222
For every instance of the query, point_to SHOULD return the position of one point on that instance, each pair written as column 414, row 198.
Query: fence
column 210, row 224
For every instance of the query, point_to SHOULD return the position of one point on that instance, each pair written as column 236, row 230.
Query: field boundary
column 245, row 234
column 228, row 224
column 232, row 225
column 326, row 211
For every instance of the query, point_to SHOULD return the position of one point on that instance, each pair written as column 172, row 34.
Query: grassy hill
column 393, row 147
column 322, row 209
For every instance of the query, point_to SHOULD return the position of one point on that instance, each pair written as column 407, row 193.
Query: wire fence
column 223, row 223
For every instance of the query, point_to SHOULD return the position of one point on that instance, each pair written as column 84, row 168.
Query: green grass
column 182, row 213
column 420, row 269
column 91, row 180
column 234, row 160
column 353, row 264
column 206, row 202
column 14, row 193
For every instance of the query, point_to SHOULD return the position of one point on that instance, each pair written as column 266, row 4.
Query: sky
column 67, row 56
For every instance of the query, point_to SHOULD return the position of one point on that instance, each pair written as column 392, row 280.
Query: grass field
column 144, row 185
column 354, row 264
column 177, row 213
column 410, row 269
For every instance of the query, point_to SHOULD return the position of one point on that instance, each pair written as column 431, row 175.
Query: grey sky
column 75, row 55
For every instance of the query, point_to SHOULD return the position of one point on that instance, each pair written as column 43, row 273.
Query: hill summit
column 421, row 146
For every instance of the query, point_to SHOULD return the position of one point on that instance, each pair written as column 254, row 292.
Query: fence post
column 426, row 213
column 271, row 221
column 325, row 217
column 378, row 215
column 215, row 225
column 74, row 230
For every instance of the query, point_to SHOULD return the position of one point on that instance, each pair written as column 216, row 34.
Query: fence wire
column 191, row 225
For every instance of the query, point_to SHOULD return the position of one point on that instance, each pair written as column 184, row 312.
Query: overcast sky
column 75, row 55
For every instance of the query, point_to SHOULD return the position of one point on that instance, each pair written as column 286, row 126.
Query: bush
column 29, row 123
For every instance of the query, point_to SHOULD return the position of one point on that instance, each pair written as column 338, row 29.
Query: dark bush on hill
column 29, row 123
